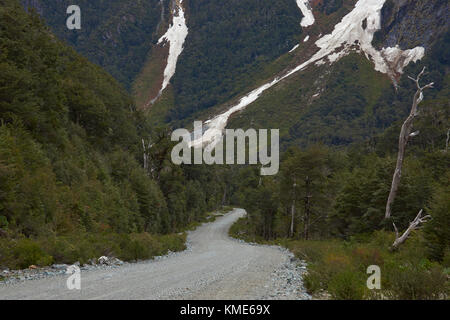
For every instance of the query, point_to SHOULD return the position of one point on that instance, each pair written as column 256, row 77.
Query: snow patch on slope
column 295, row 47
column 398, row 59
column 218, row 124
column 354, row 32
column 308, row 18
column 175, row 36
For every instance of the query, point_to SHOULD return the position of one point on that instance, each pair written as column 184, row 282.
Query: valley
column 353, row 95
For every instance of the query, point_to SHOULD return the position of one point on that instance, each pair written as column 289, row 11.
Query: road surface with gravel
column 213, row 267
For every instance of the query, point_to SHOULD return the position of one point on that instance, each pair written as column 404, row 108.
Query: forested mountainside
column 348, row 100
column 116, row 35
column 227, row 42
column 72, row 182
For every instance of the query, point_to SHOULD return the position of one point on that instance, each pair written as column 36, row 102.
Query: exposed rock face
column 411, row 23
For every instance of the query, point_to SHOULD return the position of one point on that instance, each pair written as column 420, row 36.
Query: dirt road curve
column 215, row 267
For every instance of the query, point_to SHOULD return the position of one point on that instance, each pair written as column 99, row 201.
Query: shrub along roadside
column 339, row 267
column 21, row 253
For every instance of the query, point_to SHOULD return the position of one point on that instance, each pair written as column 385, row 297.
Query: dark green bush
column 27, row 252
column 20, row 254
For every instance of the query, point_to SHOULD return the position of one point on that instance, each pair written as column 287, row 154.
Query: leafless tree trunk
column 291, row 233
column 307, row 209
column 448, row 140
column 412, row 226
column 224, row 196
column 146, row 154
column 405, row 134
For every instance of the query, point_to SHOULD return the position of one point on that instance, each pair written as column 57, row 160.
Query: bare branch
column 417, row 79
column 396, row 230
column 414, row 225
column 430, row 85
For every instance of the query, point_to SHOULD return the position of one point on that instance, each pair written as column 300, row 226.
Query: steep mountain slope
column 217, row 61
column 116, row 35
column 353, row 34
column 228, row 44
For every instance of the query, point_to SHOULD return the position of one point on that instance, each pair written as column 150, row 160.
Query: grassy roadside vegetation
column 22, row 253
column 337, row 268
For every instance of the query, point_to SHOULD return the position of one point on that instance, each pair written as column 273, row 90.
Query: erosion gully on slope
column 213, row 267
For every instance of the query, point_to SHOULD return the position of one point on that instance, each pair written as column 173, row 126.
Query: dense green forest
column 72, row 183
column 114, row 34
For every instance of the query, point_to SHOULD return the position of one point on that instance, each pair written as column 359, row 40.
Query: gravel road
column 214, row 267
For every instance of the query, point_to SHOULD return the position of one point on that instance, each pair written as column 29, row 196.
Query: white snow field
column 308, row 18
column 349, row 34
column 175, row 37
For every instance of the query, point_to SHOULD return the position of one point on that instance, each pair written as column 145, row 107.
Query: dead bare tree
column 412, row 226
column 146, row 152
column 405, row 134
column 448, row 140
column 291, row 232
column 306, row 218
